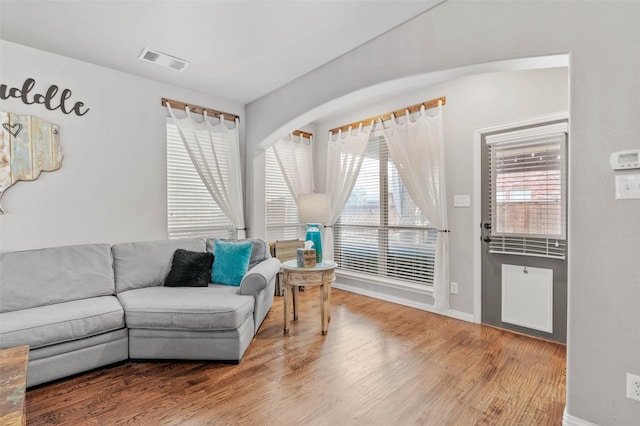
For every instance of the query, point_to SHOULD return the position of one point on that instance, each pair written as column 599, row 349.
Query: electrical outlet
column 633, row 386
column 454, row 287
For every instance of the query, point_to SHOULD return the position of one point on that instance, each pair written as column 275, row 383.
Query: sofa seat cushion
column 60, row 322
column 214, row 307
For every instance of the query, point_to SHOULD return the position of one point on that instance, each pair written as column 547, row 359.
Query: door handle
column 486, row 225
column 486, row 239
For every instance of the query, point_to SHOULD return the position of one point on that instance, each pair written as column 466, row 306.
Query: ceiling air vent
column 178, row 65
column 163, row 59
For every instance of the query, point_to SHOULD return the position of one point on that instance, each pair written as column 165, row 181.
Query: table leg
column 324, row 307
column 295, row 302
column 287, row 302
column 329, row 303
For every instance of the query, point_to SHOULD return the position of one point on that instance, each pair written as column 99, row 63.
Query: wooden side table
column 323, row 274
column 13, row 382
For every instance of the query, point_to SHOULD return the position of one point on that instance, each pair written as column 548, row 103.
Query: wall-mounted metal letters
column 50, row 100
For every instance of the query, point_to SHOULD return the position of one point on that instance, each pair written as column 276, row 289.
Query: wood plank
column 381, row 363
column 56, row 149
column 40, row 146
column 21, row 154
column 5, row 154
column 13, row 382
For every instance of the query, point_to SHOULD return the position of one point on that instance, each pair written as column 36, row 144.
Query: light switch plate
column 462, row 201
column 627, row 186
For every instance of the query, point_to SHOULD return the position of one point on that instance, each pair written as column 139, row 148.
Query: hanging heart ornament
column 13, row 129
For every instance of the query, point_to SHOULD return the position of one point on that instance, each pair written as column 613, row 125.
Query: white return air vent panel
column 527, row 297
column 163, row 59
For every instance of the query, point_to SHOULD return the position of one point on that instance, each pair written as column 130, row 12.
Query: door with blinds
column 524, row 230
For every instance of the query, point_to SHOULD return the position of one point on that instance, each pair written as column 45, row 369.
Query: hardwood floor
column 380, row 364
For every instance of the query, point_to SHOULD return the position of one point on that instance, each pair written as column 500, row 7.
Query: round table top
column 293, row 265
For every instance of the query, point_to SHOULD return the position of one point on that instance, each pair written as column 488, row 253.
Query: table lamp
column 314, row 210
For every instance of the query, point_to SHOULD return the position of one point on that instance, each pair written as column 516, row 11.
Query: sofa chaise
column 86, row 306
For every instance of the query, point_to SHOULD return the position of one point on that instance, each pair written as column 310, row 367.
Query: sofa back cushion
column 147, row 264
column 259, row 252
column 33, row 278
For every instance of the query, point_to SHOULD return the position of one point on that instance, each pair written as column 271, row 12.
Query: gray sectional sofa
column 86, row 306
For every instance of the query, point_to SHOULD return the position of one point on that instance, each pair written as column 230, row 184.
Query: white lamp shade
column 314, row 208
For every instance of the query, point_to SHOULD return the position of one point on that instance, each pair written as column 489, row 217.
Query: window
column 380, row 230
column 528, row 178
column 281, row 210
column 191, row 211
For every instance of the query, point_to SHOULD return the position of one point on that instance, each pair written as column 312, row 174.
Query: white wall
column 112, row 183
column 603, row 41
column 473, row 102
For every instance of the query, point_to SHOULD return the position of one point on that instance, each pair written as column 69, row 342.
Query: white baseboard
column 569, row 420
column 464, row 316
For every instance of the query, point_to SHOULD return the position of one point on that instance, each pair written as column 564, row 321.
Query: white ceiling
column 238, row 50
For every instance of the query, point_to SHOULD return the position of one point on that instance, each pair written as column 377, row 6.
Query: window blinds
column 191, row 211
column 380, row 230
column 281, row 210
column 528, row 188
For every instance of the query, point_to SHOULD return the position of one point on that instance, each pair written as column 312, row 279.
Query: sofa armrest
column 257, row 278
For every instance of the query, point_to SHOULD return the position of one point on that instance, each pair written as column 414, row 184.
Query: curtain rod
column 198, row 109
column 413, row 108
column 302, row 134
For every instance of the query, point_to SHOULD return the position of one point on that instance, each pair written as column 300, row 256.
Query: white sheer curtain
column 295, row 159
column 214, row 150
column 344, row 158
column 417, row 150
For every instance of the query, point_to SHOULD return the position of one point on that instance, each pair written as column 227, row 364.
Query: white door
column 524, row 229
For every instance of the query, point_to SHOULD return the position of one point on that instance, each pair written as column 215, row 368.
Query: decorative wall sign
column 49, row 99
column 28, row 146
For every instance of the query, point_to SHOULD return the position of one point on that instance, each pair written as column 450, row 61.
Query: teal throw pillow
column 232, row 261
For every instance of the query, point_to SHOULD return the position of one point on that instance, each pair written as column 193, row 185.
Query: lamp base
column 313, row 234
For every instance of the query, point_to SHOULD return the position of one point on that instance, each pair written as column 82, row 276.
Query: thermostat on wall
column 625, row 160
